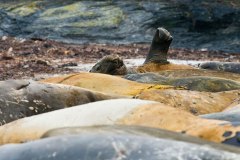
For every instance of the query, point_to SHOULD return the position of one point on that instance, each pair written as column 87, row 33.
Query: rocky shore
column 212, row 25
column 25, row 58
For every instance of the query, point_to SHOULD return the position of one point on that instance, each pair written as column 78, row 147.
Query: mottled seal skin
column 111, row 64
column 159, row 47
column 23, row 98
column 196, row 83
column 116, row 144
column 222, row 66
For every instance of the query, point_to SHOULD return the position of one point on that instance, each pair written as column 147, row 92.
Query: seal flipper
column 159, row 47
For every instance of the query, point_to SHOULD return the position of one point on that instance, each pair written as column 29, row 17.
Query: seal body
column 159, row 47
column 231, row 115
column 118, row 143
column 130, row 112
column 222, row 66
column 195, row 83
column 23, row 98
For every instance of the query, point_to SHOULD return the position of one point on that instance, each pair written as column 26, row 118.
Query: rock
column 213, row 25
column 23, row 98
column 196, row 83
column 123, row 112
column 231, row 115
column 222, row 66
column 105, row 83
column 118, row 143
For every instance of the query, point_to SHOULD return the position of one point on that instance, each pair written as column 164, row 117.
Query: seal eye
column 115, row 61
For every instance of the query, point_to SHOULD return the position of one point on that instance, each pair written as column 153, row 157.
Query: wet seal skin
column 222, row 66
column 159, row 47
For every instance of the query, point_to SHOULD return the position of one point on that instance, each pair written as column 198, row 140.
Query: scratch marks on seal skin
column 67, row 78
column 23, row 86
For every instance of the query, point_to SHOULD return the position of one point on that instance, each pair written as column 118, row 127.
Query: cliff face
column 210, row 24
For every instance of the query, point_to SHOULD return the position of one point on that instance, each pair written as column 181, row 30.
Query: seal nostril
column 227, row 133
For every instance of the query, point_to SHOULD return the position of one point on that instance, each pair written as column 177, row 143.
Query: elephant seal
column 199, row 72
column 196, row 83
column 156, row 59
column 222, row 66
column 105, row 83
column 118, row 142
column 192, row 101
column 23, row 98
column 112, row 64
column 122, row 112
column 159, row 47
column 232, row 115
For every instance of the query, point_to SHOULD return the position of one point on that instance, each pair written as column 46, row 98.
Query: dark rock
column 194, row 24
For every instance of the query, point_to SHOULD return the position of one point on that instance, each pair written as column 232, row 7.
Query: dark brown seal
column 159, row 47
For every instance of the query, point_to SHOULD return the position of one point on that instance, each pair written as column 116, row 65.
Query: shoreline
column 25, row 58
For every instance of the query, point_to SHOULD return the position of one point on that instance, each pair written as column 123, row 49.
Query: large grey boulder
column 199, row 24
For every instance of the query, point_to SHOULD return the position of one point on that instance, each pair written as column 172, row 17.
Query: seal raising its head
column 156, row 59
column 159, row 47
column 111, row 64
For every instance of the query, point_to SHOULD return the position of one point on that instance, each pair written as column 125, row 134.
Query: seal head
column 159, row 47
column 111, row 64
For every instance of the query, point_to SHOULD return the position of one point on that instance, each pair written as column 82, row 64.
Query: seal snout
column 164, row 35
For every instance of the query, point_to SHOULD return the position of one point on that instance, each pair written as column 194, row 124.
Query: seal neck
column 159, row 48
